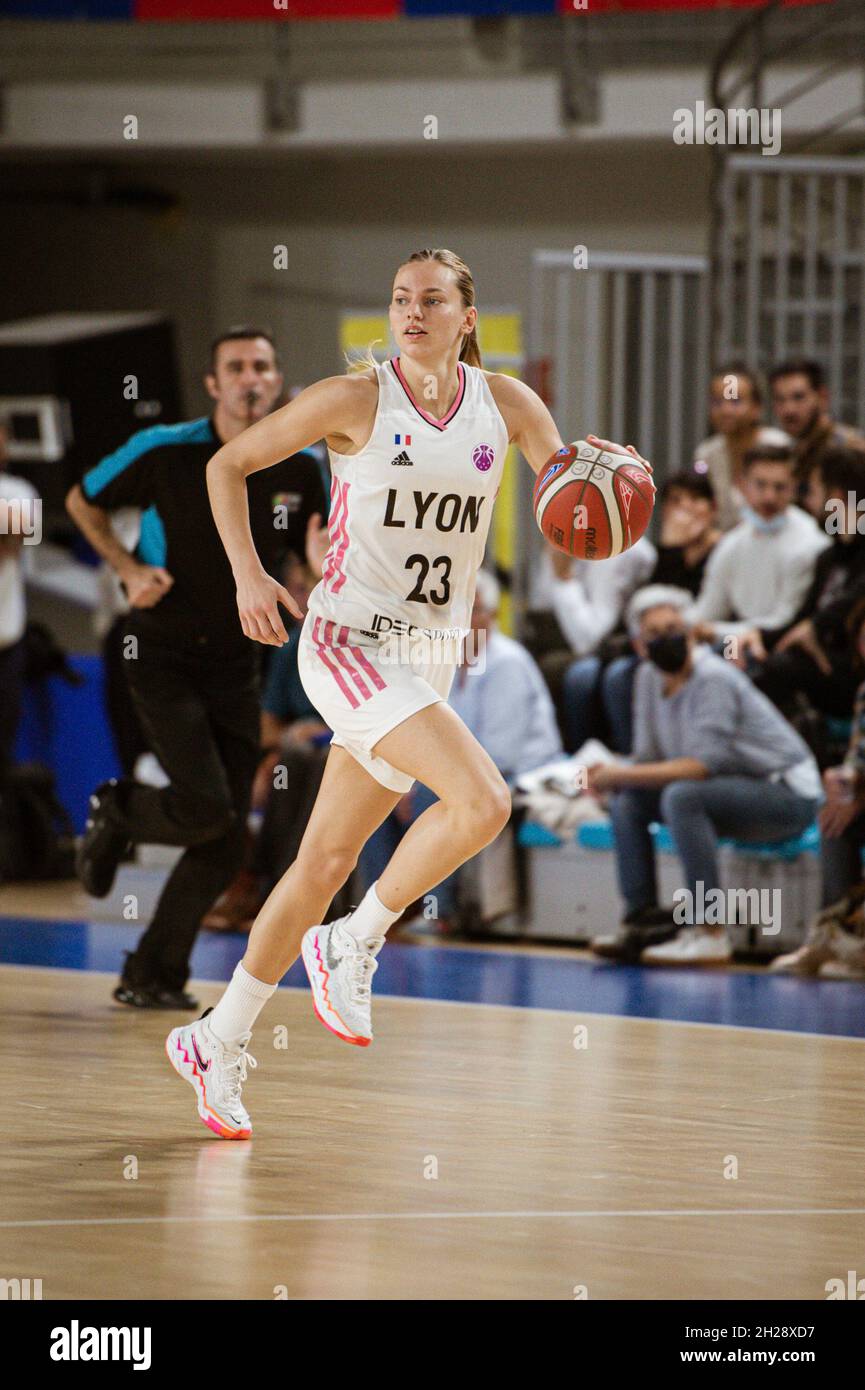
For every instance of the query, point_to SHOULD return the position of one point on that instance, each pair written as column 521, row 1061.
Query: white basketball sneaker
column 340, row 970
column 216, row 1073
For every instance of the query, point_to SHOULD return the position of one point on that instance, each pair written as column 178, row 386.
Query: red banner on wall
column 180, row 10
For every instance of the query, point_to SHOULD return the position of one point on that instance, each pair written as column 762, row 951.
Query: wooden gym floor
column 474, row 1151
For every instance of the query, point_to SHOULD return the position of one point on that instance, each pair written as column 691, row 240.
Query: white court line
column 581, row 1015
column 218, row 1219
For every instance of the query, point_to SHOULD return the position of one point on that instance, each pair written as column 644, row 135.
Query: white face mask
column 767, row 525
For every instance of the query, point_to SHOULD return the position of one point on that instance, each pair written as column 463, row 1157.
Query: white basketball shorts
column 362, row 697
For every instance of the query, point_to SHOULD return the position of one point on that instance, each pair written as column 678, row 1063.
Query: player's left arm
column 532, row 428
column 530, row 425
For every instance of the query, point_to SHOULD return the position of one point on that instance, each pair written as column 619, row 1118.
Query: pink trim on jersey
column 424, row 414
column 332, row 572
column 338, row 527
column 333, row 528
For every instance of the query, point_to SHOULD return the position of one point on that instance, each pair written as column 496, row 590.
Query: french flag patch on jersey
column 402, row 439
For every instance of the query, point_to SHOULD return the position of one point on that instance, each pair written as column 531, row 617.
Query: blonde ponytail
column 361, row 359
column 470, row 352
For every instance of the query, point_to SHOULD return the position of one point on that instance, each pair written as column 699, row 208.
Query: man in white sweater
column 760, row 571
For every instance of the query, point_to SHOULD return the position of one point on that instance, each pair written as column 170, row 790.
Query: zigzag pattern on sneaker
column 216, row 1074
column 340, row 970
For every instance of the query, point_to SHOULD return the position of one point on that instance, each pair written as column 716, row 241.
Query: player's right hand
column 610, row 447
column 146, row 584
column 257, row 603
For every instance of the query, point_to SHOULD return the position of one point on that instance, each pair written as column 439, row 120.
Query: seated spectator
column 735, row 410
column 760, row 571
column 294, row 740
column 15, row 493
column 589, row 601
column 800, row 400
column 501, row 696
column 689, row 535
column 842, row 817
column 689, row 531
column 835, row 942
column 712, row 758
column 287, row 716
column 810, row 656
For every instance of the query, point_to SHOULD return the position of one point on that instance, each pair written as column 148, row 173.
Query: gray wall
column 347, row 222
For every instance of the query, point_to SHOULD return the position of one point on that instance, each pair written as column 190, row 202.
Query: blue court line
column 741, row 999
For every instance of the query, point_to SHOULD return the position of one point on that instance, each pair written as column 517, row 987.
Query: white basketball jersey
column 410, row 513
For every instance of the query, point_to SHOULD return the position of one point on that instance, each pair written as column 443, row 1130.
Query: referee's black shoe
column 138, row 993
column 104, row 842
column 154, row 997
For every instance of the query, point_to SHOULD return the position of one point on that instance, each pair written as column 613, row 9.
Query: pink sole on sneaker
column 180, row 1059
column 318, row 976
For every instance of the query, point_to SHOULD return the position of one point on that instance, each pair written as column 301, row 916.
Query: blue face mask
column 768, row 526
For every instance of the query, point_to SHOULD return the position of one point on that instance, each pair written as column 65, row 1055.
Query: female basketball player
column 417, row 447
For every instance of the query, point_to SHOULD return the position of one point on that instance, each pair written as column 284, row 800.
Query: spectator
column 503, row 699
column 712, row 757
column 689, row 534
column 293, row 739
column 842, row 818
column 589, row 602
column 689, row 531
column 800, row 399
column 287, row 717
column 18, row 500
column 835, row 942
column 811, row 655
column 735, row 410
column 761, row 570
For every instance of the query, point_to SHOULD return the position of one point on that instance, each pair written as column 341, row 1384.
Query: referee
column 193, row 675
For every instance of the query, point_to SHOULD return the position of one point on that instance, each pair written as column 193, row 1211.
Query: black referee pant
column 200, row 711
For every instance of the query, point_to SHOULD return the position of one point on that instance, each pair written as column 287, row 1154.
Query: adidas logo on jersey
column 403, row 460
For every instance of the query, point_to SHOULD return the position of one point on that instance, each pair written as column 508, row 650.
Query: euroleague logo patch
column 483, row 457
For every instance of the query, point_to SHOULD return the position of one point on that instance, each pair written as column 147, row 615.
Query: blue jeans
column 617, row 693
column 581, row 712
column 698, row 813
column 841, row 861
column 379, row 850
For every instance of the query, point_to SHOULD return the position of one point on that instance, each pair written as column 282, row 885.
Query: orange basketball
column 591, row 503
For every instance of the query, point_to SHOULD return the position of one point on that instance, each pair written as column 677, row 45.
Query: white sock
column 239, row 1006
column 370, row 917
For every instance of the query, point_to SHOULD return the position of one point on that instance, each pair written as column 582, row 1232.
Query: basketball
column 593, row 504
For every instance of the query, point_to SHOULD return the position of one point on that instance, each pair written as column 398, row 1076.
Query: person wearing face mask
column 759, row 573
column 712, row 758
